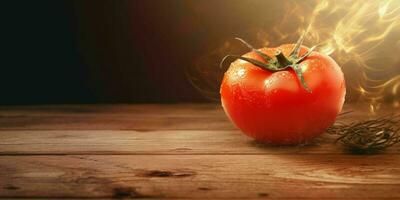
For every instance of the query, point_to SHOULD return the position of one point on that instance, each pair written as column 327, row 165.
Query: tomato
column 276, row 106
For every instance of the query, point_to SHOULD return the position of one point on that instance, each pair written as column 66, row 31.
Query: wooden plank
column 132, row 110
column 201, row 176
column 154, row 142
column 207, row 198
column 134, row 117
column 113, row 123
column 114, row 117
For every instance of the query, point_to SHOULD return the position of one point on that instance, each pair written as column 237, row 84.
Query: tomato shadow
column 275, row 148
column 323, row 145
column 317, row 145
column 324, row 152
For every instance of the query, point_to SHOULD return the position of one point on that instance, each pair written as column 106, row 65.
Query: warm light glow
column 356, row 34
column 362, row 36
column 361, row 90
column 372, row 108
column 359, row 37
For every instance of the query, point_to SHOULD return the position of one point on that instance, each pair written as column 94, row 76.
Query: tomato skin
column 274, row 107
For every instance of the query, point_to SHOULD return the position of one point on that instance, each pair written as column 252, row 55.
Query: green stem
column 282, row 60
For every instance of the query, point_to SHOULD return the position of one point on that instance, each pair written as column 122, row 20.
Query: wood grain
column 113, row 123
column 139, row 110
column 115, row 117
column 63, row 142
column 176, row 151
column 129, row 117
column 201, row 176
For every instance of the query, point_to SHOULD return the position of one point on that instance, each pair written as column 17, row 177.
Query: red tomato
column 273, row 106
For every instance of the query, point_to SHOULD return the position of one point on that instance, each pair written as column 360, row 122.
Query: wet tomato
column 283, row 95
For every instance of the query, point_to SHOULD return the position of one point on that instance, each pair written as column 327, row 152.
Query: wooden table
column 175, row 151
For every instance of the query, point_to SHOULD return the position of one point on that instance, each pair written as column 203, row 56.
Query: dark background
column 107, row 51
column 142, row 51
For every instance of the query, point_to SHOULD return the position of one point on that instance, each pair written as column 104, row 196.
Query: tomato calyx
column 280, row 62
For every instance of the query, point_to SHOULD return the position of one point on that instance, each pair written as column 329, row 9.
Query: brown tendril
column 370, row 135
